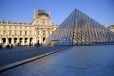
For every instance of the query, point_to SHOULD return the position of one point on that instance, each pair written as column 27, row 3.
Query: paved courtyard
column 75, row 61
column 19, row 53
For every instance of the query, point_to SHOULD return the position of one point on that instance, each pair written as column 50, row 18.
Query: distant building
column 32, row 33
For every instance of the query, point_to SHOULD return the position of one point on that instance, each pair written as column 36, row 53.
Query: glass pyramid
column 79, row 29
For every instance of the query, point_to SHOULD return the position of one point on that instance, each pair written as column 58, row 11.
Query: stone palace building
column 32, row 33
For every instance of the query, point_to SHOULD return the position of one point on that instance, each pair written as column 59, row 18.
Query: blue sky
column 22, row 10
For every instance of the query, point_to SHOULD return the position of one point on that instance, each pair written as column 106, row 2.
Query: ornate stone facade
column 27, row 33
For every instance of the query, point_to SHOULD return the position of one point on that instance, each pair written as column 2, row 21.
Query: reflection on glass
column 79, row 28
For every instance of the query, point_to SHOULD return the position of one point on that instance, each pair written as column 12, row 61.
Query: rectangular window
column 25, row 32
column 20, row 32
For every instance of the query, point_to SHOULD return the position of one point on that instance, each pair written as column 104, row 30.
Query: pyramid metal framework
column 78, row 29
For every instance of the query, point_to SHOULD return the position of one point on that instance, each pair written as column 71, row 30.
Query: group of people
column 7, row 46
column 11, row 46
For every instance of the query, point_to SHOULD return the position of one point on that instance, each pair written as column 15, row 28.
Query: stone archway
column 15, row 40
column 20, row 41
column 4, row 40
column 26, row 40
column 9, row 40
column 44, row 39
column 31, row 41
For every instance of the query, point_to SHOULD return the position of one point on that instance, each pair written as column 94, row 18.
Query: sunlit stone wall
column 32, row 33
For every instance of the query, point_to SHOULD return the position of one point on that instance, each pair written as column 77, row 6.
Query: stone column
column 23, row 39
column 40, row 39
column 34, row 41
column 0, row 40
column 40, row 36
column 12, row 41
column 47, row 33
column 6, row 41
column 17, row 41
column 50, row 32
column 28, row 40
